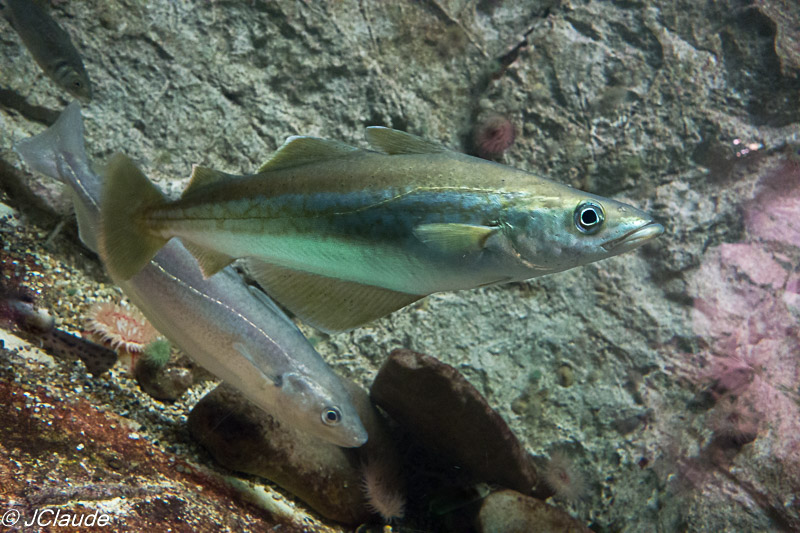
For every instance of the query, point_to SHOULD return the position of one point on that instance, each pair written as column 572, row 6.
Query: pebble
column 508, row 511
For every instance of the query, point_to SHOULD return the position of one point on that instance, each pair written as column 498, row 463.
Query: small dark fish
column 49, row 45
column 97, row 359
column 38, row 327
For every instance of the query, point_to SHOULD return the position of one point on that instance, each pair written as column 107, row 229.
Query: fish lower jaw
column 634, row 238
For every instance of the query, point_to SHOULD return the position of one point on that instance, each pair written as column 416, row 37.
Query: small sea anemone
column 493, row 136
column 564, row 478
column 381, row 486
column 121, row 327
column 735, row 421
column 157, row 353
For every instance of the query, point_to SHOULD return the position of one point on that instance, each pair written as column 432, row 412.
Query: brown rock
column 508, row 511
column 436, row 404
column 328, row 478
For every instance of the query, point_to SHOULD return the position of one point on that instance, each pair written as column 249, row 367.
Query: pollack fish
column 232, row 330
column 342, row 235
column 49, row 45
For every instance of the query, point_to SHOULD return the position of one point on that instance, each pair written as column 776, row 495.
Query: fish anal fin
column 210, row 261
column 202, row 176
column 87, row 223
column 301, row 150
column 454, row 238
column 394, row 142
column 329, row 304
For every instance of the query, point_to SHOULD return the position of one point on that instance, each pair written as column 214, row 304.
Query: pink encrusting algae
column 121, row 327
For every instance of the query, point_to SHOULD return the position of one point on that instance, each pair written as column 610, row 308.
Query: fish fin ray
column 210, row 261
column 125, row 242
column 329, row 304
column 392, row 142
column 303, row 150
column 454, row 238
column 202, row 176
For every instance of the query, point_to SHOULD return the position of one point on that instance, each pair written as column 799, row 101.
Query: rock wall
column 679, row 108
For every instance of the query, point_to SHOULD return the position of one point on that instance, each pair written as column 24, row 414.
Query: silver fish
column 341, row 235
column 232, row 330
column 49, row 45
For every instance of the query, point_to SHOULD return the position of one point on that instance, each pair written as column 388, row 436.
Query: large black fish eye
column 589, row 217
column 331, row 416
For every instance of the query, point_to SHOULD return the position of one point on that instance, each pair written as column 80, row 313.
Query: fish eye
column 331, row 416
column 589, row 217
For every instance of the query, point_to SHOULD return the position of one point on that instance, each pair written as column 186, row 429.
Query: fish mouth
column 634, row 238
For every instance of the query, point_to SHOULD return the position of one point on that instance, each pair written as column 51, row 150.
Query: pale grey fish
column 232, row 330
column 341, row 235
column 49, row 45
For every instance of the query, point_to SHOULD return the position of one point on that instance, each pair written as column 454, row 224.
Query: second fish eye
column 589, row 217
column 331, row 416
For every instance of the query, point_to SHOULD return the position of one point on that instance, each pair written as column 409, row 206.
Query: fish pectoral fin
column 275, row 378
column 329, row 304
column 303, row 150
column 202, row 176
column 454, row 238
column 210, row 261
column 393, row 142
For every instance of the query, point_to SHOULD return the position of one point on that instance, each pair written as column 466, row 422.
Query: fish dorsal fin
column 202, row 176
column 393, row 142
column 210, row 261
column 329, row 304
column 298, row 151
column 454, row 238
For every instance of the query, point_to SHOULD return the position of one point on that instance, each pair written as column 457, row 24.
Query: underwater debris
column 493, row 136
column 122, row 327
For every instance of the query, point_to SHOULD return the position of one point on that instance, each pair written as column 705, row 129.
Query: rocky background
column 668, row 377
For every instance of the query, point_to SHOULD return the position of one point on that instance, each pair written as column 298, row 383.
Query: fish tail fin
column 126, row 243
column 59, row 153
column 65, row 136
